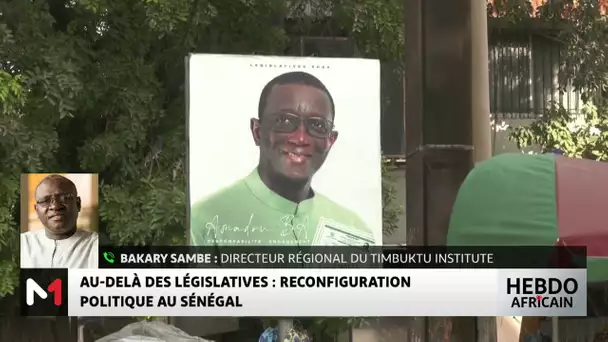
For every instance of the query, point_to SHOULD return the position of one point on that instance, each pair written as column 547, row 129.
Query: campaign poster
column 283, row 151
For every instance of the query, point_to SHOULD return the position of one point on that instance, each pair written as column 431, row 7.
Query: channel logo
column 44, row 292
column 33, row 289
column 542, row 292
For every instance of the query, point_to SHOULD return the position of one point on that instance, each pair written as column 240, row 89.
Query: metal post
column 555, row 329
column 285, row 325
column 80, row 323
column 480, row 83
column 480, row 117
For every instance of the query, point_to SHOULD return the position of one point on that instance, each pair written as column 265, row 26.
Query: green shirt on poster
column 249, row 213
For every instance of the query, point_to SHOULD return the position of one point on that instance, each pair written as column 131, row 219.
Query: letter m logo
column 43, row 292
column 32, row 289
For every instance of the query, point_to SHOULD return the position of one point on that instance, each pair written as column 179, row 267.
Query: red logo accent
column 55, row 289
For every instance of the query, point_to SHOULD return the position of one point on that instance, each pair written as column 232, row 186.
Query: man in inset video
column 60, row 244
column 275, row 204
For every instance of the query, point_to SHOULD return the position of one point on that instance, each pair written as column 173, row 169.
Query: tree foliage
column 583, row 135
column 98, row 86
column 391, row 206
column 581, row 27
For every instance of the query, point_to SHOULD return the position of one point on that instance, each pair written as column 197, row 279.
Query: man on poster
column 60, row 244
column 275, row 204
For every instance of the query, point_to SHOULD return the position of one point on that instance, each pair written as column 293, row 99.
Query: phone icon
column 109, row 256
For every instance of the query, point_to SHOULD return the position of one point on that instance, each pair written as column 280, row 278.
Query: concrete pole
column 555, row 329
column 447, row 104
column 480, row 117
column 480, row 95
column 285, row 325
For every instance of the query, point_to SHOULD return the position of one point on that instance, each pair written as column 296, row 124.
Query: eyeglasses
column 288, row 123
column 59, row 199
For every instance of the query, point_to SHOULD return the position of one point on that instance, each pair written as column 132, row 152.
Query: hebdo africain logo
column 542, row 292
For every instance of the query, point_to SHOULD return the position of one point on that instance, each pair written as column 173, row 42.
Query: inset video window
column 59, row 220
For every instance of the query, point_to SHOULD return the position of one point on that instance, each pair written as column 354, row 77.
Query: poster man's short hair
column 295, row 77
